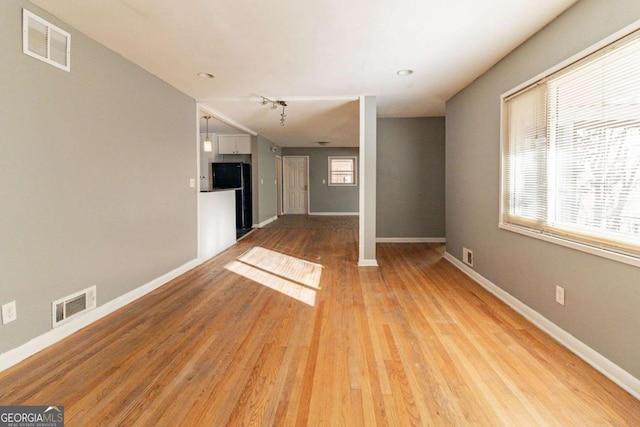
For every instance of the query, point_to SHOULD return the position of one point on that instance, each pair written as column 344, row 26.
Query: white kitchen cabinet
column 234, row 144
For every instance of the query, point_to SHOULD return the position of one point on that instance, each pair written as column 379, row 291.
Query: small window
column 342, row 170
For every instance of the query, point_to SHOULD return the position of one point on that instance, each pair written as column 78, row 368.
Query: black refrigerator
column 237, row 176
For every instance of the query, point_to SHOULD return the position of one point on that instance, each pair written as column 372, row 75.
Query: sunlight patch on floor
column 288, row 275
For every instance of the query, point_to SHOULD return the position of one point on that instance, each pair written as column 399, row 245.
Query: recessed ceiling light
column 206, row 75
column 405, row 72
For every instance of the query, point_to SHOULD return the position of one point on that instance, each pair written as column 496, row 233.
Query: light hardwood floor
column 413, row 342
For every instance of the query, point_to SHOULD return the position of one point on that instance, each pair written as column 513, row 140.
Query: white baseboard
column 334, row 213
column 609, row 369
column 18, row 354
column 411, row 239
column 266, row 222
column 367, row 263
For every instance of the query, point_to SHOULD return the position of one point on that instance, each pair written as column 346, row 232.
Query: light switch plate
column 192, row 182
column 560, row 295
column 9, row 312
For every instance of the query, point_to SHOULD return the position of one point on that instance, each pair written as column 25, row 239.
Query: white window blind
column 526, row 173
column 572, row 152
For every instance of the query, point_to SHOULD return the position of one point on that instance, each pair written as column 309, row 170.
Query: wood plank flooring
column 413, row 342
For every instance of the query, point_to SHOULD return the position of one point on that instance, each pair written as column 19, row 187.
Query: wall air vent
column 68, row 307
column 45, row 41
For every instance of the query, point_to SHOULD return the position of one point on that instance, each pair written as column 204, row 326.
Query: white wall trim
column 367, row 263
column 567, row 243
column 18, row 354
column 609, row 369
column 202, row 105
column 411, row 239
column 334, row 213
column 266, row 222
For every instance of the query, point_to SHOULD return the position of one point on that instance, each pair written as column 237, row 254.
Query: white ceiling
column 318, row 56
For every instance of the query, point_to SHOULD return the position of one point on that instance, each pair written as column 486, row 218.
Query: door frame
column 279, row 189
column 284, row 183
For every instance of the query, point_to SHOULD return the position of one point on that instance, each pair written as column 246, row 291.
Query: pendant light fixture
column 207, row 142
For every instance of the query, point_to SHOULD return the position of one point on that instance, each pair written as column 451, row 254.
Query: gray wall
column 410, row 184
column 264, row 182
column 323, row 197
column 94, row 176
column 602, row 296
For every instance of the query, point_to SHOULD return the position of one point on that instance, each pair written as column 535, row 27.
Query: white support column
column 367, row 243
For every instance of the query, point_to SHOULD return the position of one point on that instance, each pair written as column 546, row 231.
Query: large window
column 571, row 154
column 342, row 170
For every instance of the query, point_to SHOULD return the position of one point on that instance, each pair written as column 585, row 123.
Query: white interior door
column 296, row 185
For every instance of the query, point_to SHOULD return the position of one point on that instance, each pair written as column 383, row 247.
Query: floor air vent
column 68, row 307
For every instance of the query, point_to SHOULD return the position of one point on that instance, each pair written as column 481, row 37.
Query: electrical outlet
column 467, row 256
column 9, row 312
column 560, row 295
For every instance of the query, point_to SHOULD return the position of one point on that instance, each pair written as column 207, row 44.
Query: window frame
column 330, row 170
column 556, row 238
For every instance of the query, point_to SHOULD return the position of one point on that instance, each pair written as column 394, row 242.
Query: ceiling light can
column 404, row 72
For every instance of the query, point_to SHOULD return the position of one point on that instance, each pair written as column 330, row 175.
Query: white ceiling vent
column 45, row 41
column 68, row 307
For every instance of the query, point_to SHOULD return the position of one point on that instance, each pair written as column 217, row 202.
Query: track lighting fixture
column 275, row 105
column 283, row 117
